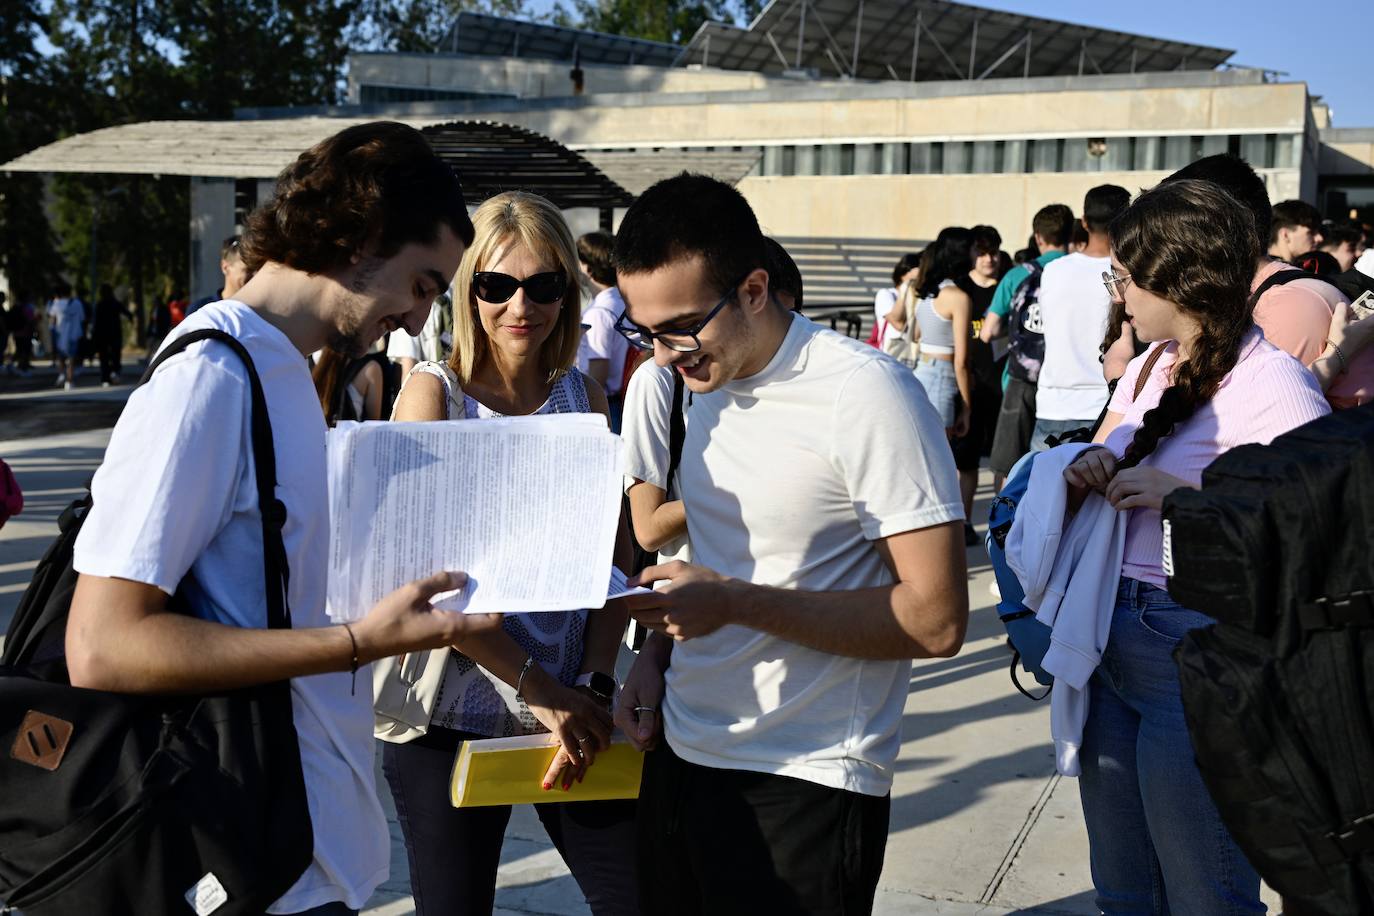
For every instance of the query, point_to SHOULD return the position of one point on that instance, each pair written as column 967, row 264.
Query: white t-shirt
column 68, row 317
column 1365, row 264
column 1074, row 306
column 177, row 492
column 601, row 340
column 427, row 346
column 883, row 304
column 788, row 478
column 646, row 431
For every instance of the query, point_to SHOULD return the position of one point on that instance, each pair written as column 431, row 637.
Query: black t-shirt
column 985, row 371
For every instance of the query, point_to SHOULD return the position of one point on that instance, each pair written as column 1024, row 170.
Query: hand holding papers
column 526, row 506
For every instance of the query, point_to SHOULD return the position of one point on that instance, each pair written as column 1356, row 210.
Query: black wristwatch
column 599, row 683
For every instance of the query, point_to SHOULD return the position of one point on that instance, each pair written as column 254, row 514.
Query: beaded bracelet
column 1339, row 355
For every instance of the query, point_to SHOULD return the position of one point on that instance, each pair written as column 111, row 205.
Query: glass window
column 1120, row 154
column 808, row 160
column 1178, row 152
column 1287, row 151
column 987, row 156
column 1149, row 154
column 958, row 158
column 894, row 158
column 1215, row 144
column 789, row 160
column 832, row 159
column 1045, row 156
column 866, row 159
column 772, row 161
column 1076, row 157
column 1014, row 156
column 927, row 158
column 1258, row 150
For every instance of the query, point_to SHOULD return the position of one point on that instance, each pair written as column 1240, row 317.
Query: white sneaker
column 61, row 380
column 67, row 386
column 105, row 384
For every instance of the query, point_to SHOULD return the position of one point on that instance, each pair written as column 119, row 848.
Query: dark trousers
column 454, row 852
column 110, row 357
column 722, row 842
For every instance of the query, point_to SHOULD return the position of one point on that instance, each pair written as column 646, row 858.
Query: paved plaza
column 981, row 824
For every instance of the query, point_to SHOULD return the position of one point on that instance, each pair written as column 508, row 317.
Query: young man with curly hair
column 366, row 228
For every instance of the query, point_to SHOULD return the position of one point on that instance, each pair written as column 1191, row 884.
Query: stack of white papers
column 526, row 506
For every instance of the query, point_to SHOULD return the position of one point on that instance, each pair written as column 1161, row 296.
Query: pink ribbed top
column 1266, row 394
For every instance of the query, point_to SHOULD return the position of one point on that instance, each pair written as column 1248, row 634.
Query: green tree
column 674, row 21
column 28, row 254
column 420, row 25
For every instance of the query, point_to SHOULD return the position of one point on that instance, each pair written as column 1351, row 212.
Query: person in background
column 66, row 317
column 516, row 317
column 886, row 308
column 176, row 307
column 108, row 334
column 349, row 389
column 231, row 269
column 602, row 352
column 943, row 324
column 1344, row 242
column 1183, row 256
column 1295, row 228
column 784, row 278
column 980, row 283
column 1052, row 228
column 1080, row 239
column 1296, row 316
column 1074, row 309
column 19, row 319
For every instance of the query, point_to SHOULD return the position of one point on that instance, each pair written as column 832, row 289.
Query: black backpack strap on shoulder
column 677, row 431
column 1280, row 278
column 273, row 510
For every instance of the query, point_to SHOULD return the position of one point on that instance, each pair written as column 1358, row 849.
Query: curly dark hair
column 378, row 183
column 1194, row 244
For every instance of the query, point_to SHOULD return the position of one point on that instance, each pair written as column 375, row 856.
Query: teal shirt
column 1001, row 300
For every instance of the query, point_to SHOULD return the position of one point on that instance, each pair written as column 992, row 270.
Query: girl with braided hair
column 1183, row 255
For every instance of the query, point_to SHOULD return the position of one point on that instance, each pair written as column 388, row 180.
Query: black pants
column 109, row 351
column 454, row 852
column 721, row 842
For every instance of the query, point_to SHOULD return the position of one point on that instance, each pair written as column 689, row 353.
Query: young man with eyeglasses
column 824, row 515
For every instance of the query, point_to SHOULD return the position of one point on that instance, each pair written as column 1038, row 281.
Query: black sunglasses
column 541, row 289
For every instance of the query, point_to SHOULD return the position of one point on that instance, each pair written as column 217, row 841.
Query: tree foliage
column 674, row 21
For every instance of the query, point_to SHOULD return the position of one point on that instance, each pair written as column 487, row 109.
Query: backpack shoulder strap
column 677, row 432
column 1147, row 369
column 273, row 510
column 1280, row 277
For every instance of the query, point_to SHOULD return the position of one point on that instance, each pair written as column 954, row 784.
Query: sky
column 1326, row 44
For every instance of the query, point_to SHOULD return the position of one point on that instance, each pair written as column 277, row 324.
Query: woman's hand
column 1093, row 469
column 580, row 724
column 1142, row 488
column 961, row 421
column 1350, row 335
column 1119, row 355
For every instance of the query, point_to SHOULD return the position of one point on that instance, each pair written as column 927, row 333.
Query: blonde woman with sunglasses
column 516, row 328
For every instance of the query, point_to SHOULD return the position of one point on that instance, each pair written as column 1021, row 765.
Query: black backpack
column 139, row 805
column 1279, row 693
column 1025, row 329
column 677, row 434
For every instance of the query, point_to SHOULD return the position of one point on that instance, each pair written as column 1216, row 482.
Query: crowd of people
column 803, row 502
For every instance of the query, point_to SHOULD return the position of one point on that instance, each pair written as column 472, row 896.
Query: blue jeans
column 937, row 378
column 1156, row 842
column 1045, row 428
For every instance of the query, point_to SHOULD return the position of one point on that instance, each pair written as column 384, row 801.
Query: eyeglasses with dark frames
column 541, row 289
column 680, row 340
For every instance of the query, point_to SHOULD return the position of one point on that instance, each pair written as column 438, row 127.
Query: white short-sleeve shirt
column 646, row 430
column 1074, row 306
column 600, row 339
column 788, row 477
column 176, row 492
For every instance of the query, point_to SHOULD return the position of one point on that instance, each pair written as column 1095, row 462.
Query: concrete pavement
column 980, row 822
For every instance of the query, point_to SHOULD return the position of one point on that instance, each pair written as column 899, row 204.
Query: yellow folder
column 510, row 771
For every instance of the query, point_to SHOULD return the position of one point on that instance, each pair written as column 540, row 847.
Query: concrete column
column 212, row 220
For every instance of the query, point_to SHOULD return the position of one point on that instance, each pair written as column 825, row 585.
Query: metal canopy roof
column 489, row 157
column 931, row 40
column 487, row 36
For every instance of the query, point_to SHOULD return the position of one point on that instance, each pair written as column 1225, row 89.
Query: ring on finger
column 652, row 709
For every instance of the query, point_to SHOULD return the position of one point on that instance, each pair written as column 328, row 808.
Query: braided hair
column 1192, row 243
